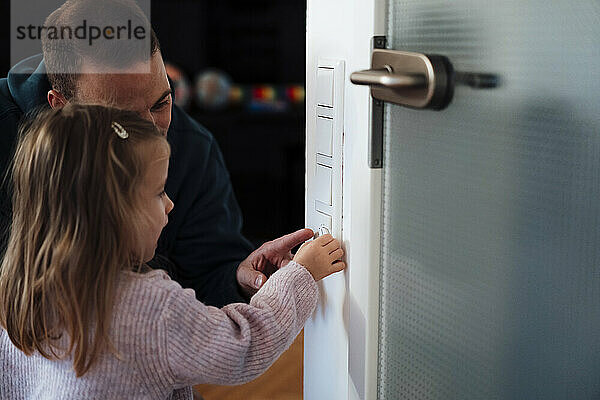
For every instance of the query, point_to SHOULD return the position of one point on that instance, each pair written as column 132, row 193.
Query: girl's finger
column 324, row 240
column 338, row 266
column 337, row 254
column 332, row 246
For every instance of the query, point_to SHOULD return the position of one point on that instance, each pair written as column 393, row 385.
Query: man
column 202, row 245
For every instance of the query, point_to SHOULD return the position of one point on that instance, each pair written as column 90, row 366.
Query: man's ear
column 56, row 100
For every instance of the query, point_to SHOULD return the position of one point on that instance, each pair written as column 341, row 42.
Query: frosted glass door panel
column 490, row 281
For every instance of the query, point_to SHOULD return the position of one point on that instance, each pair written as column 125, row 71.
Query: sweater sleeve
column 238, row 342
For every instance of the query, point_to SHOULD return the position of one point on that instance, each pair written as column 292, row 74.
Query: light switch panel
column 322, row 220
column 323, row 184
column 325, row 140
column 324, row 135
column 325, row 87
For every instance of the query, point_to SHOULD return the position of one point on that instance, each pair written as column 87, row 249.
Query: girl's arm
column 239, row 342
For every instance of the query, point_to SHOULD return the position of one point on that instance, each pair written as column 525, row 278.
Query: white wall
column 340, row 346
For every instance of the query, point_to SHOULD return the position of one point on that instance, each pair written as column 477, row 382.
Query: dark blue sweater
column 202, row 242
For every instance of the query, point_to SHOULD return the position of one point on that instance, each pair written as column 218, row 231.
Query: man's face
column 148, row 94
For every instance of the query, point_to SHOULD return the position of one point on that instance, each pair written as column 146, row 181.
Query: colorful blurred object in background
column 215, row 90
column 212, row 89
column 296, row 94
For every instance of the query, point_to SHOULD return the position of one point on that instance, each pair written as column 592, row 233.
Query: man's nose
column 170, row 205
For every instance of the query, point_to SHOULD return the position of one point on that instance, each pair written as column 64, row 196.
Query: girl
column 81, row 315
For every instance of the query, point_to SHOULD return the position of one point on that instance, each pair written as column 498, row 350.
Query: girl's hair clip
column 119, row 130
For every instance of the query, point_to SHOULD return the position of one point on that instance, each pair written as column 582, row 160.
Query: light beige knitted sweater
column 169, row 341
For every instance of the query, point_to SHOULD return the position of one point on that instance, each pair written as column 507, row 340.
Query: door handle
column 386, row 77
column 410, row 79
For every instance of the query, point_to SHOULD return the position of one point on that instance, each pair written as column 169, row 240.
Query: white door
column 473, row 254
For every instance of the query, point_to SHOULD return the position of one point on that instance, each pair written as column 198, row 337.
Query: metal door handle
column 385, row 77
column 410, row 79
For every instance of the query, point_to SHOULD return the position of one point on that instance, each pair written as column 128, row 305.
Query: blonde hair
column 74, row 228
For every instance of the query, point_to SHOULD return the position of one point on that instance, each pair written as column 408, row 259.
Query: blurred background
column 238, row 68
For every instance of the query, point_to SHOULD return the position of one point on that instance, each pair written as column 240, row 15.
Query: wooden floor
column 283, row 381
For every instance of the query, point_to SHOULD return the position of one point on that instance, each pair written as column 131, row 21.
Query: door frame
column 341, row 339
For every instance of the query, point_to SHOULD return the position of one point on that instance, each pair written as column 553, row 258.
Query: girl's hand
column 321, row 257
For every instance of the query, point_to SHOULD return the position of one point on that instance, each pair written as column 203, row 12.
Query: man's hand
column 254, row 271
